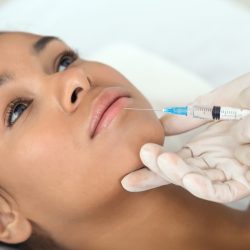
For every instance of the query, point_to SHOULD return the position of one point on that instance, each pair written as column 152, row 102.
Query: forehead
column 15, row 46
column 17, row 38
column 20, row 51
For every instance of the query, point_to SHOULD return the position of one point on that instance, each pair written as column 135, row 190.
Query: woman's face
column 50, row 164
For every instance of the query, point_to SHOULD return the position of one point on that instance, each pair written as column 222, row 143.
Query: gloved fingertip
column 167, row 159
column 142, row 180
column 128, row 186
column 168, row 165
column 149, row 152
column 149, row 148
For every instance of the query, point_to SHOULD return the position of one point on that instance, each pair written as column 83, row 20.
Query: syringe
column 205, row 112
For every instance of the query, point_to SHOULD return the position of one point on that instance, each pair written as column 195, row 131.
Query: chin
column 149, row 134
column 125, row 155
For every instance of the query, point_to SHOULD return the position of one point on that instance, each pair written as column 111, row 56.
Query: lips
column 105, row 106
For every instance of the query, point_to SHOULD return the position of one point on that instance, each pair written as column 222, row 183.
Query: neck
column 160, row 218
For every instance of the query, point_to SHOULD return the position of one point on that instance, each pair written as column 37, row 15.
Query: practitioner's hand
column 214, row 165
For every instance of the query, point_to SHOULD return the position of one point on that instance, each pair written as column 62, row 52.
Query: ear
column 14, row 227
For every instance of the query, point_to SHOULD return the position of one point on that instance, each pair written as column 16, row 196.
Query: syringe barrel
column 200, row 112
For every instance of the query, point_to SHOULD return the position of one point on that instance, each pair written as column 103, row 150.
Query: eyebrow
column 38, row 46
column 41, row 44
column 5, row 77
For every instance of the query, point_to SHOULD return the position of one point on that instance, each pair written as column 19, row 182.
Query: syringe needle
column 144, row 109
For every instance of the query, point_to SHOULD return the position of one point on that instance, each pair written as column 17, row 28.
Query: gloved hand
column 215, row 164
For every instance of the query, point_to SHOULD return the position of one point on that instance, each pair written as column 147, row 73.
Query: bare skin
column 54, row 174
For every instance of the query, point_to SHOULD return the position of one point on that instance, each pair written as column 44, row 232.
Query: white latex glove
column 214, row 165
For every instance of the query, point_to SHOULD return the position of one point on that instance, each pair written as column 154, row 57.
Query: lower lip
column 111, row 113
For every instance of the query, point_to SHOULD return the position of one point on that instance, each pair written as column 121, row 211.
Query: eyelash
column 11, row 108
column 73, row 55
column 17, row 101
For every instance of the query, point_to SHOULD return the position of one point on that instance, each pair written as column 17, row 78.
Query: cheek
column 53, row 171
column 45, row 171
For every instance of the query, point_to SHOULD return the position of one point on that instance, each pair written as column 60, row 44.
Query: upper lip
column 101, row 103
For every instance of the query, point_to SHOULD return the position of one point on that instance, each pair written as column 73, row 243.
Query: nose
column 71, row 86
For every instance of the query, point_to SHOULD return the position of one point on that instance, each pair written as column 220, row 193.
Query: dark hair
column 39, row 240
